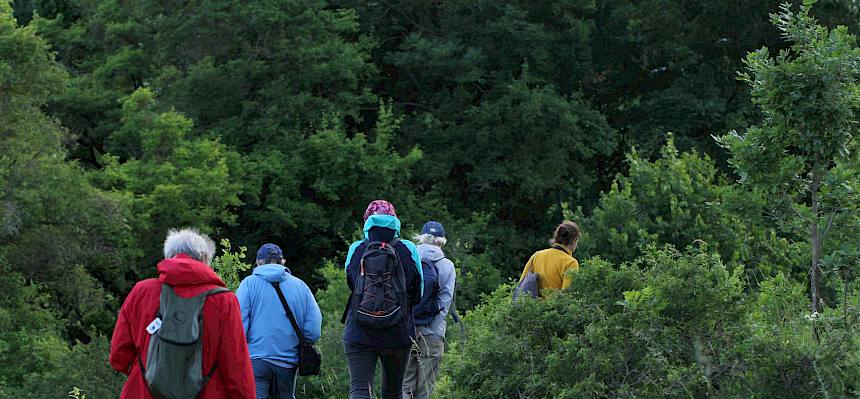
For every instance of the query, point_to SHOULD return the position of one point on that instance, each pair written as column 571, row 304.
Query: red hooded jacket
column 223, row 335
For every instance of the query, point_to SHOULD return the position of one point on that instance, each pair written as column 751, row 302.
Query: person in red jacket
column 185, row 268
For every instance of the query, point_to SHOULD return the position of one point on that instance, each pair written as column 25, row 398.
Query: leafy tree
column 167, row 178
column 245, row 72
column 490, row 93
column 679, row 199
column 35, row 358
column 803, row 154
column 315, row 189
column 63, row 234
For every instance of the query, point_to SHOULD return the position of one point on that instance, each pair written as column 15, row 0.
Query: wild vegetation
column 709, row 150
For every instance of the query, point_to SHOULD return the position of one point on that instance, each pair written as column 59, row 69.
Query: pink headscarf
column 379, row 207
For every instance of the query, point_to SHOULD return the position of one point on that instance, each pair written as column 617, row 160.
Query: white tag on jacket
column 154, row 326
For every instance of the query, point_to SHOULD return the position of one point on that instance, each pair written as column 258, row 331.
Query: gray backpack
column 529, row 284
column 175, row 355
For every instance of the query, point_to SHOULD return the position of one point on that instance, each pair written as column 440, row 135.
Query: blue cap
column 270, row 251
column 433, row 228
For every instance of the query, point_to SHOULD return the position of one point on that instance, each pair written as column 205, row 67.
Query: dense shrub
column 670, row 324
column 35, row 359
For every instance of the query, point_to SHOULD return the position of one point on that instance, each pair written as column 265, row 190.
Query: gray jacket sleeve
column 447, row 277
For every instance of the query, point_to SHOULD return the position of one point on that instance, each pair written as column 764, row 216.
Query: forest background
column 707, row 148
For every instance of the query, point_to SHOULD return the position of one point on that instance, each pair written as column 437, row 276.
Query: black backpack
column 379, row 300
column 428, row 307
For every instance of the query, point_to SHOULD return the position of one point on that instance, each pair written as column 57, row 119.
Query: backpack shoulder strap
column 413, row 250
column 436, row 269
column 288, row 311
column 216, row 291
column 207, row 294
column 351, row 251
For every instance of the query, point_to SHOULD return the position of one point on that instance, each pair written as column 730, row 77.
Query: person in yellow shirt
column 552, row 264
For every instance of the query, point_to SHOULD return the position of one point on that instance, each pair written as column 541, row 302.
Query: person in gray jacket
column 423, row 364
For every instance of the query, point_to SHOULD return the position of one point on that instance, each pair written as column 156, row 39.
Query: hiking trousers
column 361, row 360
column 423, row 367
column 273, row 381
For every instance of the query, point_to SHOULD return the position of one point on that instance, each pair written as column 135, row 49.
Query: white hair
column 431, row 239
column 189, row 242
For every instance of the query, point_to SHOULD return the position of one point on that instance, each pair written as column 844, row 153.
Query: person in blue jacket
column 365, row 347
column 272, row 342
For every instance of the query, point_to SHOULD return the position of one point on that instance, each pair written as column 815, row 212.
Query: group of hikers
column 185, row 335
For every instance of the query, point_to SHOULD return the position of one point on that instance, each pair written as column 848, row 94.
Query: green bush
column 85, row 366
column 35, row 359
column 669, row 324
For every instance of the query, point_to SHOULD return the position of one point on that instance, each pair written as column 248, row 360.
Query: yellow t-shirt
column 551, row 265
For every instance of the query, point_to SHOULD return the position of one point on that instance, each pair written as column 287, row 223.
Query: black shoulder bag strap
column 289, row 312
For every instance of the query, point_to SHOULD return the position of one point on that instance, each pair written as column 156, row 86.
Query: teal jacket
column 388, row 222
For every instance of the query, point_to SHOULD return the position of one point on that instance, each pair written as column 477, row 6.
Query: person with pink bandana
column 388, row 344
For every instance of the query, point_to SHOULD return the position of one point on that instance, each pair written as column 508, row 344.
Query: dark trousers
column 273, row 381
column 361, row 361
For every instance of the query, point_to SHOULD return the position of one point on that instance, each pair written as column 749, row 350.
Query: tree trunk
column 813, row 268
column 815, row 238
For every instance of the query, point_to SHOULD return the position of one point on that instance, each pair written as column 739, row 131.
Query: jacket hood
column 182, row 270
column 272, row 273
column 386, row 221
column 430, row 252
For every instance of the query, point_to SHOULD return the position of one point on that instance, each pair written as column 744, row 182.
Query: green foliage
column 35, row 358
column 812, row 115
column 167, row 178
column 476, row 275
column 670, row 324
column 248, row 71
column 333, row 380
column 84, row 365
column 28, row 74
column 279, row 121
column 317, row 187
column 32, row 340
column 808, row 95
column 679, row 199
column 229, row 265
column 60, row 231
